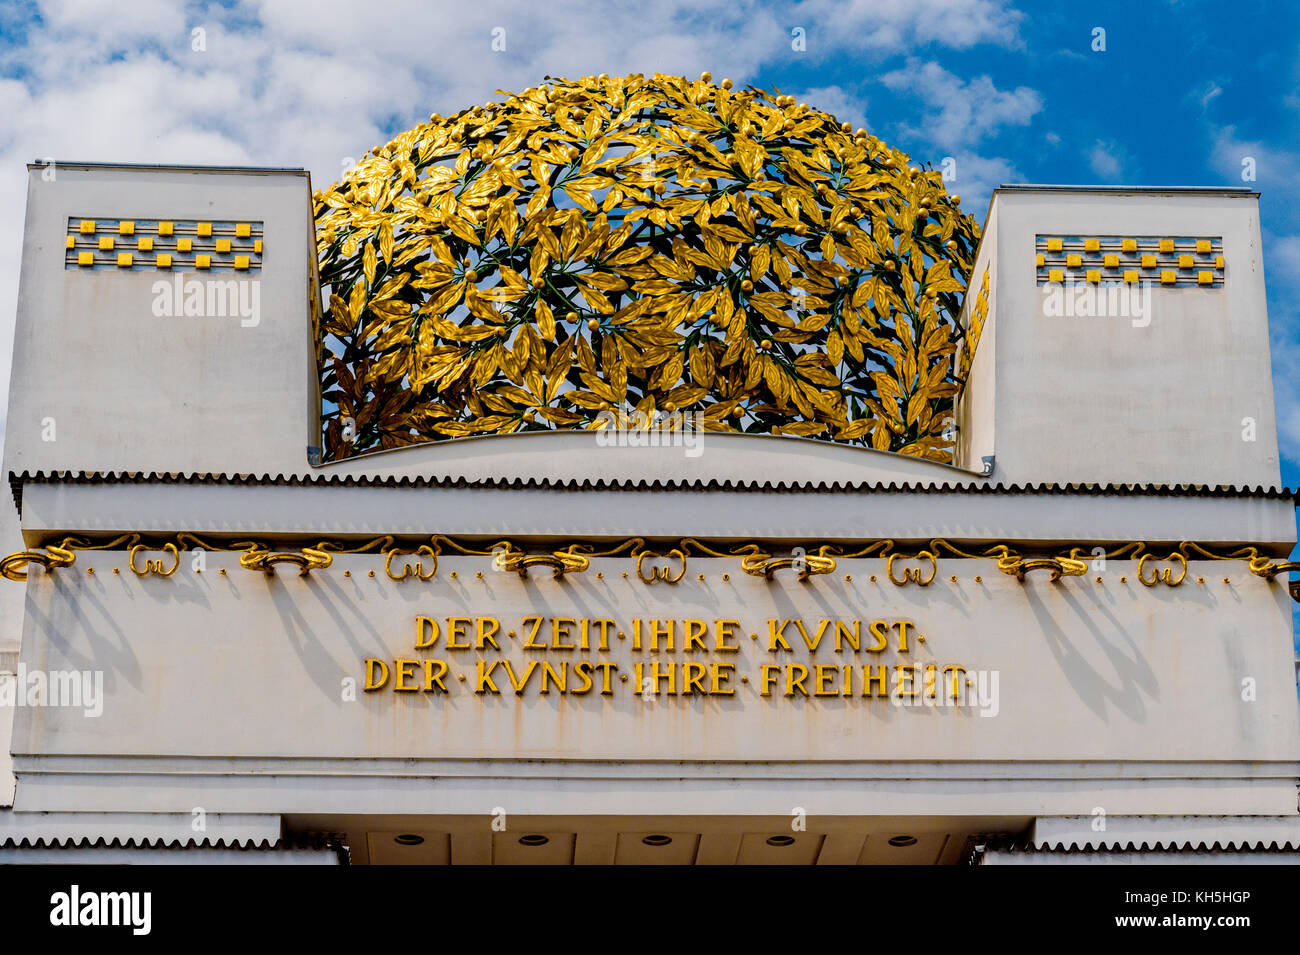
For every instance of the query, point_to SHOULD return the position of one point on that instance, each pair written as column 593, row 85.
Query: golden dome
column 588, row 253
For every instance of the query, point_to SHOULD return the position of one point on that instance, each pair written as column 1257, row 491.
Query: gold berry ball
column 570, row 316
column 747, row 286
column 530, row 416
column 593, row 324
column 765, row 344
column 706, row 77
column 471, row 275
column 726, row 84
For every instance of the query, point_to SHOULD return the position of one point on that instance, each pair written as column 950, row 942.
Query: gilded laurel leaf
column 621, row 244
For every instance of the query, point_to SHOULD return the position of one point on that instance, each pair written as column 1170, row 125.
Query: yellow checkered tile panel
column 163, row 245
column 1168, row 261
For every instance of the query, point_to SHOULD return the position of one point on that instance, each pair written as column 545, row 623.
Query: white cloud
column 1105, row 160
column 844, row 106
column 964, row 112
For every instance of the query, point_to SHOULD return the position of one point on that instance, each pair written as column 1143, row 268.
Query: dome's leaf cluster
column 595, row 253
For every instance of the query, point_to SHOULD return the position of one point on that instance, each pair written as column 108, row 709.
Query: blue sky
column 1181, row 94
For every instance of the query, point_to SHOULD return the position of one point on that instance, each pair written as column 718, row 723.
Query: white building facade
column 570, row 648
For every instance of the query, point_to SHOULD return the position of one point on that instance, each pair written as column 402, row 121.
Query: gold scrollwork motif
column 1163, row 575
column 1057, row 567
column 913, row 574
column 306, row 560
column 417, row 568
column 660, row 572
column 560, row 562
column 154, row 566
column 1257, row 563
column 804, row 563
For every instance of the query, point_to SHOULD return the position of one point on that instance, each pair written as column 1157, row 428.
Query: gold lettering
column 434, row 671
column 559, row 630
column 693, row 638
column 519, row 684
column 902, row 626
column 769, row 673
column 878, row 675
column 582, row 670
column 720, row 674
column 487, row 634
column 774, row 636
column 550, row 674
column 484, row 682
column 848, row 680
column 373, row 680
column 792, row 681
column 662, row 628
column 423, row 624
column 531, row 643
column 903, row 687
column 604, row 626
column 958, row 675
column 852, row 637
column 457, row 627
column 606, row 677
column 693, row 678
column 400, row 668
column 722, row 630
column 880, row 630
column 825, row 675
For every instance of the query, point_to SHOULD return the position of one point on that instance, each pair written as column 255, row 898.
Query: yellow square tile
column 164, row 260
column 1131, row 275
column 126, row 228
column 1204, row 278
column 1092, row 245
column 1148, row 261
column 202, row 261
column 1073, row 260
column 257, row 246
column 144, row 243
column 72, row 242
column 1093, row 275
column 125, row 260
column 1166, row 245
column 1168, row 277
column 184, row 245
column 1218, row 262
column 205, row 229
column 1203, row 246
column 1054, row 245
column 241, row 262
column 1129, row 245
column 223, row 245
column 1186, row 261
column 87, row 226
column 1039, row 259
column 166, row 228
column 1056, row 275
column 243, row 230
column 105, row 243
column 1110, row 260
column 85, row 258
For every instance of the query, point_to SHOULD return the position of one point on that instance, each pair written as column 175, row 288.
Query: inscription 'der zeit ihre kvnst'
column 552, row 670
